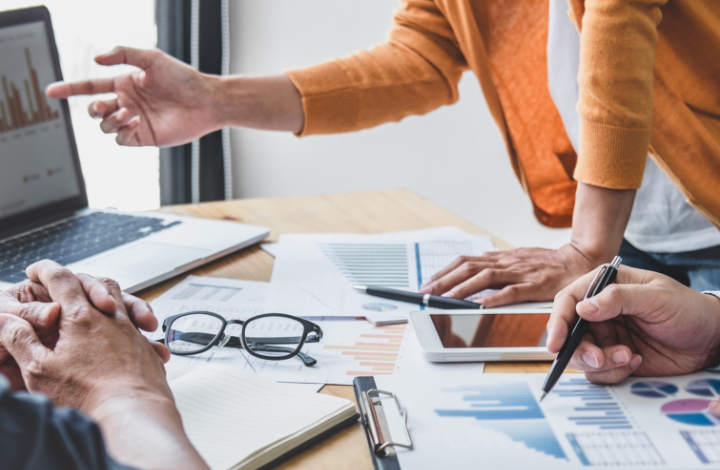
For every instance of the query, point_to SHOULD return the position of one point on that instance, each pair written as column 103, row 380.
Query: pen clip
column 615, row 264
column 596, row 279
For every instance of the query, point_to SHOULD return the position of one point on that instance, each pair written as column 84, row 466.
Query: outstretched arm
column 167, row 102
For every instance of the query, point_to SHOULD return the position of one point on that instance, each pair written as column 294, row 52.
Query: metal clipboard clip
column 377, row 428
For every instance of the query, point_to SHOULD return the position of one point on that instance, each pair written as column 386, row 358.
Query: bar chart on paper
column 372, row 352
column 390, row 265
column 350, row 348
column 314, row 274
column 203, row 292
column 510, row 409
column 497, row 418
column 371, row 264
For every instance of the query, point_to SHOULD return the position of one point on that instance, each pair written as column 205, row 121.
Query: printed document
column 314, row 273
column 495, row 421
column 350, row 346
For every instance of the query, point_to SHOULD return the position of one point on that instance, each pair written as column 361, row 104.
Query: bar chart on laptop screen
column 25, row 70
column 35, row 152
column 24, row 104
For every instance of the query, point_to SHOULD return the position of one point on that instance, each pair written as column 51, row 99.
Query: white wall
column 453, row 156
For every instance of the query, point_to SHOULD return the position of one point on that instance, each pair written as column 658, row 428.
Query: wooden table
column 364, row 212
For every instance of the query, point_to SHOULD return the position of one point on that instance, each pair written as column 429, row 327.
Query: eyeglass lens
column 273, row 336
column 193, row 333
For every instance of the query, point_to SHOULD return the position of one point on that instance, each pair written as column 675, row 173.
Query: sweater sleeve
column 617, row 55
column 414, row 72
column 35, row 434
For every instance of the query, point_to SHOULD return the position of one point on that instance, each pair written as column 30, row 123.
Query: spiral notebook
column 238, row 420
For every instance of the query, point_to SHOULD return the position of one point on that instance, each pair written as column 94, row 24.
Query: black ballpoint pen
column 604, row 277
column 421, row 299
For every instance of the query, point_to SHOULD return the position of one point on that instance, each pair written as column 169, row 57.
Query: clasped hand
column 47, row 316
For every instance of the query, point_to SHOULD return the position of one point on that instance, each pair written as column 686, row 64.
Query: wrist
column 268, row 103
column 218, row 100
column 713, row 302
column 594, row 251
column 102, row 402
column 599, row 220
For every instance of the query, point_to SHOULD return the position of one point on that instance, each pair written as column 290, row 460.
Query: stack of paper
column 314, row 273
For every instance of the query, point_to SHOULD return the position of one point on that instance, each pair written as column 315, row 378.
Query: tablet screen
column 491, row 330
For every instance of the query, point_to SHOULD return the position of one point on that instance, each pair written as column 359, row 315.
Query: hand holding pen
column 603, row 278
column 644, row 324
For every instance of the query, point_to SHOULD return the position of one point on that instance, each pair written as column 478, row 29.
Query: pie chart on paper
column 693, row 411
column 704, row 387
column 653, row 389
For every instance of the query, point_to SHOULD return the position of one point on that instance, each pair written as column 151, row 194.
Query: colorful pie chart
column 653, row 389
column 704, row 387
column 692, row 411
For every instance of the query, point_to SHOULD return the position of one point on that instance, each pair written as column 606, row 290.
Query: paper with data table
column 494, row 421
column 350, row 347
column 314, row 273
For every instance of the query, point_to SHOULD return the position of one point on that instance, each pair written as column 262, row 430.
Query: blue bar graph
column 599, row 408
column 510, row 409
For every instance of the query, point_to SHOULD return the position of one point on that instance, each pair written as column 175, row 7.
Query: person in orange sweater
column 602, row 105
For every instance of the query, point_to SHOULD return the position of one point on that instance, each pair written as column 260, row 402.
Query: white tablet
column 500, row 334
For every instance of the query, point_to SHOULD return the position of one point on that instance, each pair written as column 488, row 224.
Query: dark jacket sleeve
column 36, row 435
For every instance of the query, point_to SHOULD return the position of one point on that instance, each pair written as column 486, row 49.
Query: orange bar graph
column 363, row 373
column 375, row 358
column 13, row 113
column 382, row 336
column 375, row 353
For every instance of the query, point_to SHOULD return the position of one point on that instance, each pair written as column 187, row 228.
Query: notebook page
column 229, row 414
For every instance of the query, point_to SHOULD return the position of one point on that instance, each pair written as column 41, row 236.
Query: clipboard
column 372, row 415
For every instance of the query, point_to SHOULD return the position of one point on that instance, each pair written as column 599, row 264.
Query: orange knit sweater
column 649, row 82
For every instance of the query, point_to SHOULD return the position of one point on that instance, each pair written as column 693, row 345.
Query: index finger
column 62, row 285
column 563, row 312
column 456, row 263
column 61, row 90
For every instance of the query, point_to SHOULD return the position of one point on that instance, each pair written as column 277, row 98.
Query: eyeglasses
column 271, row 336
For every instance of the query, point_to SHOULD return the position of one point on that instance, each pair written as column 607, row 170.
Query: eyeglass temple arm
column 307, row 360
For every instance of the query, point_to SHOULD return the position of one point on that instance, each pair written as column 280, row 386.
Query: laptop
column 44, row 210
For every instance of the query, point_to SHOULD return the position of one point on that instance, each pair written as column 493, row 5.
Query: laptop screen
column 37, row 166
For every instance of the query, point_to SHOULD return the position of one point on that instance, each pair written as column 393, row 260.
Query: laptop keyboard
column 73, row 240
